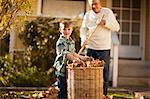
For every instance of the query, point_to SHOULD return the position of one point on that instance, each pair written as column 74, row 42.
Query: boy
column 65, row 49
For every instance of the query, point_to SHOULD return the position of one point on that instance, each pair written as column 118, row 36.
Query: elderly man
column 99, row 44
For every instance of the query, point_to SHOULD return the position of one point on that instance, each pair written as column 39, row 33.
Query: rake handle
column 88, row 38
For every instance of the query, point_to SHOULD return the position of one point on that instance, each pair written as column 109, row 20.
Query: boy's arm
column 62, row 51
column 72, row 57
column 83, row 58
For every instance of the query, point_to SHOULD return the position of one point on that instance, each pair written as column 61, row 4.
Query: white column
column 115, row 45
column 39, row 7
column 12, row 42
column 115, row 66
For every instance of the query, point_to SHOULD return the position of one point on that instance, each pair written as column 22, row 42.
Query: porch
column 128, row 73
column 133, row 74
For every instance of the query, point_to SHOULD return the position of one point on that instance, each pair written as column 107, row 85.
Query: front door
column 129, row 15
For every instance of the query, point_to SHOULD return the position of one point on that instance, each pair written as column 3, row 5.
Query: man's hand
column 86, row 42
column 102, row 22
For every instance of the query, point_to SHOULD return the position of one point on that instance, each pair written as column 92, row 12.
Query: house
column 134, row 36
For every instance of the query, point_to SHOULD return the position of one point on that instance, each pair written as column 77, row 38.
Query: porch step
column 133, row 73
column 133, row 82
column 134, row 70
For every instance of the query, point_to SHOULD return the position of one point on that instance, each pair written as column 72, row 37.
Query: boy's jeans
column 62, row 85
column 105, row 55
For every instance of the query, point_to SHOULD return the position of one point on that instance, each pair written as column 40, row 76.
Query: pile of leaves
column 88, row 63
column 51, row 93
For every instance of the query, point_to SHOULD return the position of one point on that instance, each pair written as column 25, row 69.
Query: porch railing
column 114, row 57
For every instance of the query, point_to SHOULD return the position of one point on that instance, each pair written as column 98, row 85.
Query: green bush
column 34, row 66
column 40, row 38
column 17, row 73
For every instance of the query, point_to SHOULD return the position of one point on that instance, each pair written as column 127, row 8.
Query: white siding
column 60, row 8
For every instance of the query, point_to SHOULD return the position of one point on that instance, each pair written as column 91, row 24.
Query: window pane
column 126, row 15
column 136, row 3
column 116, row 3
column 136, row 27
column 135, row 40
column 136, row 15
column 125, row 39
column 126, row 3
column 125, row 27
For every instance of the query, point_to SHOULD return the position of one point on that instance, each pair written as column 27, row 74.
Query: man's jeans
column 62, row 85
column 105, row 55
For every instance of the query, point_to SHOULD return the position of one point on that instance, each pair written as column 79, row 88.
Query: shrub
column 18, row 73
column 33, row 67
column 40, row 38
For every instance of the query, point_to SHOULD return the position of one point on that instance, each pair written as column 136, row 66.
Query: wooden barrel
column 85, row 82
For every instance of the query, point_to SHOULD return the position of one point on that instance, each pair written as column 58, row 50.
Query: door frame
column 143, row 26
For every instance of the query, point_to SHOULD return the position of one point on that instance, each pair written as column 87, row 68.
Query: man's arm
column 110, row 21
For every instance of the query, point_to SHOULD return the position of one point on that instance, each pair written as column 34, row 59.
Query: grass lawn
column 121, row 95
